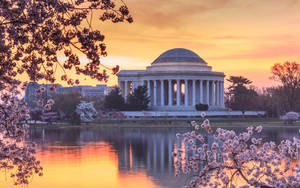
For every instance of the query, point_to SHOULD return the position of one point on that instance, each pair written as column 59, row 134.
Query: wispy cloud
column 253, row 32
column 283, row 50
column 172, row 13
column 230, row 37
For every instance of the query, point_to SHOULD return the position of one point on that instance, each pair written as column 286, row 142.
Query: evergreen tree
column 65, row 105
column 139, row 99
column 114, row 100
column 241, row 96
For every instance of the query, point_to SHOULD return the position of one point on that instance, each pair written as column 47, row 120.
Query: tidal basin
column 114, row 157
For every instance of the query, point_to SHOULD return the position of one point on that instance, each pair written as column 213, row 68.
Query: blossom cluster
column 224, row 158
column 34, row 32
column 86, row 111
column 16, row 154
column 41, row 98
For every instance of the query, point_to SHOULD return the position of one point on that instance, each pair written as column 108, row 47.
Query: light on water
column 97, row 157
column 90, row 165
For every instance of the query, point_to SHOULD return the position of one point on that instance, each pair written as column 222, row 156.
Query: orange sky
column 237, row 37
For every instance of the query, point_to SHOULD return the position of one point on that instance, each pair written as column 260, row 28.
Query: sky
column 237, row 37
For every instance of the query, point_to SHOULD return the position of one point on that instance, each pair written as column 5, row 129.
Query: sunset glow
column 234, row 36
column 93, row 165
column 237, row 37
column 149, row 93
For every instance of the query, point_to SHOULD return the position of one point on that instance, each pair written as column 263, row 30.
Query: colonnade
column 179, row 92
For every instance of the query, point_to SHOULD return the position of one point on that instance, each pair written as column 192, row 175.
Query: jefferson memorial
column 177, row 80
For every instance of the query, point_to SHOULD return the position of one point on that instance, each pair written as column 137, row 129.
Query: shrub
column 201, row 107
column 290, row 117
column 86, row 111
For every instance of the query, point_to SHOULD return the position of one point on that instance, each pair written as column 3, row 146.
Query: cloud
column 172, row 13
column 275, row 51
column 124, row 62
column 294, row 2
column 282, row 37
column 230, row 37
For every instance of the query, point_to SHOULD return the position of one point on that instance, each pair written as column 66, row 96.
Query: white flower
column 225, row 152
column 86, row 111
column 50, row 102
column 258, row 129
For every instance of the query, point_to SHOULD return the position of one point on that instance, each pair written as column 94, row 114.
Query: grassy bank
column 172, row 123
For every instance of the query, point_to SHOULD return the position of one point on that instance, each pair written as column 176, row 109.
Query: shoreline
column 169, row 124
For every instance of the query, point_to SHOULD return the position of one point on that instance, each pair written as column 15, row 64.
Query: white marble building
column 177, row 80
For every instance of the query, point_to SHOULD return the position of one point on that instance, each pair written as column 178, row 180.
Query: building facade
column 85, row 91
column 177, row 80
column 31, row 97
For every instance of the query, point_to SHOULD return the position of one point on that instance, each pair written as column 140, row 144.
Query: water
column 112, row 157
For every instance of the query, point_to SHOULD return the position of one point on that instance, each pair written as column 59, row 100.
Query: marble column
column 162, row 93
column 186, row 93
column 217, row 93
column 154, row 93
column 178, row 93
column 194, row 92
column 213, row 92
column 133, row 86
column 222, row 93
column 207, row 91
column 201, row 91
column 130, row 87
column 149, row 90
column 120, row 86
column 170, row 92
column 126, row 90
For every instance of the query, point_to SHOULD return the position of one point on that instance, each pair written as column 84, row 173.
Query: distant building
column 31, row 96
column 177, row 80
column 85, row 91
column 108, row 90
column 99, row 90
column 64, row 90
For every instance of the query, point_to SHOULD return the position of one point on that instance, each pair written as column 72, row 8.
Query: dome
column 179, row 55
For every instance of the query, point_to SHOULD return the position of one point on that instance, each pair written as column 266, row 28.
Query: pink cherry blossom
column 226, row 159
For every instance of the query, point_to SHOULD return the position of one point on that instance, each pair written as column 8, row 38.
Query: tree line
column 276, row 100
column 65, row 104
column 240, row 95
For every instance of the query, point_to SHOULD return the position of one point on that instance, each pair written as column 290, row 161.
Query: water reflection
column 114, row 157
column 137, row 151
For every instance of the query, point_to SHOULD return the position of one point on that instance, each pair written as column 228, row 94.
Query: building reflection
column 146, row 151
column 136, row 149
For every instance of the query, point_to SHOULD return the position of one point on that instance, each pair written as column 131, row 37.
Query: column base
column 183, row 108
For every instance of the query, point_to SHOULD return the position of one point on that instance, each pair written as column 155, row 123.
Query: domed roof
column 179, row 55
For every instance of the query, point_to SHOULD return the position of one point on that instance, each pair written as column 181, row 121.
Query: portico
column 177, row 80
